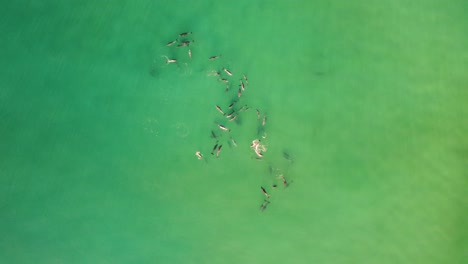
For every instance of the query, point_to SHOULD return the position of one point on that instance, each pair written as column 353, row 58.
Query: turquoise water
column 98, row 134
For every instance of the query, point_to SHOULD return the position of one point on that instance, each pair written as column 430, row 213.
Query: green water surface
column 367, row 99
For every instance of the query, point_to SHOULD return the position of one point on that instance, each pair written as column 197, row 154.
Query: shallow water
column 99, row 134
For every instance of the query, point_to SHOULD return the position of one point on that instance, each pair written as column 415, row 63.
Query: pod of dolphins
column 231, row 114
